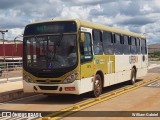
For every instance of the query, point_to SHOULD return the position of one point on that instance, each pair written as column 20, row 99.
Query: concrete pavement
column 12, row 90
column 11, row 74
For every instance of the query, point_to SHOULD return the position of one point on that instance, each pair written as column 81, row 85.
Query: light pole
column 15, row 45
column 3, row 32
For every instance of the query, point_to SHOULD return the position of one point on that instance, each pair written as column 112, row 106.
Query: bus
column 76, row 56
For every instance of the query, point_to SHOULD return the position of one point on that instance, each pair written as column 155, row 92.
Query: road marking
column 24, row 98
column 93, row 101
column 154, row 84
column 153, row 66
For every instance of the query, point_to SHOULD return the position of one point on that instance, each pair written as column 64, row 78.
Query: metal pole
column 7, row 72
column 15, row 44
column 3, row 32
column 4, row 52
column 4, row 56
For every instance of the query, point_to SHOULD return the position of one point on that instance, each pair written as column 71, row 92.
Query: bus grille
column 48, row 87
column 48, row 75
column 48, row 81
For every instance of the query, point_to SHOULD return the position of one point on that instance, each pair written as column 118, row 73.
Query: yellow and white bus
column 76, row 56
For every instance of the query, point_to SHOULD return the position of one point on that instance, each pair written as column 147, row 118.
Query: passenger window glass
column 133, row 41
column 85, row 48
column 143, row 42
column 133, row 46
column 97, row 42
column 107, row 43
column 117, row 44
column 117, row 39
column 126, row 46
column 138, row 46
column 143, row 46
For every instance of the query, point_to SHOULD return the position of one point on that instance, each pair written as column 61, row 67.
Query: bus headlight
column 27, row 79
column 71, row 78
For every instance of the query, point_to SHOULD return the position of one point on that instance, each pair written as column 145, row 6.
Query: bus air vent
column 48, row 87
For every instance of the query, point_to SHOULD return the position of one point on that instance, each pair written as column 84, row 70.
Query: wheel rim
column 97, row 88
column 133, row 78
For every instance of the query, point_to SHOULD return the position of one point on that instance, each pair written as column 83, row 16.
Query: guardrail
column 9, row 66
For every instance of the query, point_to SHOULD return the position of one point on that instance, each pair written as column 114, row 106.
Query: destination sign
column 50, row 28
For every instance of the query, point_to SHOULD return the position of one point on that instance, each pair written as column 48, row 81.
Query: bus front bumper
column 70, row 88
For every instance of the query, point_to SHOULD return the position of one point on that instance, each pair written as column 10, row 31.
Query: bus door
column 86, row 57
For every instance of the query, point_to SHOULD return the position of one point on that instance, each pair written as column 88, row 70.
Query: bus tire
column 133, row 76
column 97, row 86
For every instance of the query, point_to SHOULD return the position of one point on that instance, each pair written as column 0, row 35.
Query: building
column 11, row 50
column 153, row 48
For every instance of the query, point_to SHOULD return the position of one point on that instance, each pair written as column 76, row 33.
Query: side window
column 138, row 46
column 133, row 45
column 143, row 46
column 117, row 44
column 85, row 48
column 126, row 46
column 97, row 42
column 107, row 42
column 133, row 41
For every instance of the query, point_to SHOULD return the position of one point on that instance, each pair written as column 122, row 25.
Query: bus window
column 117, row 44
column 143, row 46
column 117, row 39
column 107, row 42
column 138, row 45
column 133, row 41
column 97, row 42
column 126, row 46
column 133, row 46
column 85, row 48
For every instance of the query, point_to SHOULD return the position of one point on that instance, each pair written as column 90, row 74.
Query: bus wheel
column 133, row 76
column 97, row 86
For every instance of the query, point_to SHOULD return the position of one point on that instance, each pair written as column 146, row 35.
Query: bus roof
column 83, row 23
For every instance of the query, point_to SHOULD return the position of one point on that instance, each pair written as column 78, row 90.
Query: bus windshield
column 50, row 51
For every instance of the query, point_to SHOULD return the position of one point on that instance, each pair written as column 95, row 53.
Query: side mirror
column 82, row 37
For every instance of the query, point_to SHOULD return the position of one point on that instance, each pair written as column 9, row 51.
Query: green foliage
column 154, row 56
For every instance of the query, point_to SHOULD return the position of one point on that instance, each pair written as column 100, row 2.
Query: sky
column 140, row 16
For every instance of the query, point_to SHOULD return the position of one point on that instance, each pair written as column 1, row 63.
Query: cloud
column 85, row 2
column 20, row 14
column 137, row 20
column 15, row 32
column 74, row 12
column 140, row 16
column 7, row 4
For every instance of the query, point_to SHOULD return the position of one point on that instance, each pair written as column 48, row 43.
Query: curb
column 12, row 95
